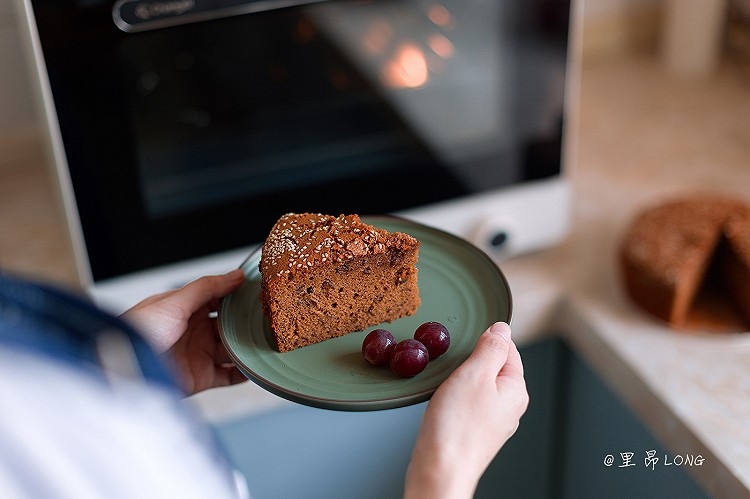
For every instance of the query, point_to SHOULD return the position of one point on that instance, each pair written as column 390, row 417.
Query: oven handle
column 141, row 15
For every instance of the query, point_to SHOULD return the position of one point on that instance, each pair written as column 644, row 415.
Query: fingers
column 221, row 355
column 223, row 376
column 513, row 365
column 492, row 349
column 207, row 289
column 511, row 381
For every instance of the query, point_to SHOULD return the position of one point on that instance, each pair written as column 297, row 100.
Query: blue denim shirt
column 52, row 322
column 42, row 322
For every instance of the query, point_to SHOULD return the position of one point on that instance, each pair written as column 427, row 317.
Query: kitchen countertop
column 644, row 135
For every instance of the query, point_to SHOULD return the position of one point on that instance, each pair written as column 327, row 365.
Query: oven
column 182, row 129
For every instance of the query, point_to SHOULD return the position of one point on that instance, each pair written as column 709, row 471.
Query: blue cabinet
column 575, row 441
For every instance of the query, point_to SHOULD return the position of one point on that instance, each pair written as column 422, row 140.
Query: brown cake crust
column 324, row 276
column 673, row 251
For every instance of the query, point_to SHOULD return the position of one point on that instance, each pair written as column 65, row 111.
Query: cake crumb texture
column 324, row 276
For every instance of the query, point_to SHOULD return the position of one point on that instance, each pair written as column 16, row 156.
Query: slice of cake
column 687, row 261
column 325, row 276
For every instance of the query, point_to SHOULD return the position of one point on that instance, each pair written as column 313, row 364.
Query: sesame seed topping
column 298, row 242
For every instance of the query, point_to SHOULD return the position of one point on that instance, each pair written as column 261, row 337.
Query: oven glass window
column 193, row 138
column 293, row 98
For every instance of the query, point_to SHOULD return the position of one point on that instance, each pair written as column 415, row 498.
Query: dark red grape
column 378, row 346
column 410, row 357
column 435, row 337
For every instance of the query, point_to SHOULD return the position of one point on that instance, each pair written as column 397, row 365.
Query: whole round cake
column 687, row 261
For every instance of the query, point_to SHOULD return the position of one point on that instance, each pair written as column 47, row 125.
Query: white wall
column 16, row 103
column 606, row 8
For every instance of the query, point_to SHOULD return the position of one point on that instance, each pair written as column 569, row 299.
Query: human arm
column 178, row 326
column 469, row 418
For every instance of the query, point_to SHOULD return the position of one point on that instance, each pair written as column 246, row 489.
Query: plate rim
column 380, row 403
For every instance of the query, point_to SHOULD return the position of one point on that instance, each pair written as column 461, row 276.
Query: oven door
column 190, row 126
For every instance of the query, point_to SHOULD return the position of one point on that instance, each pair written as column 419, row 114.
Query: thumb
column 193, row 295
column 492, row 348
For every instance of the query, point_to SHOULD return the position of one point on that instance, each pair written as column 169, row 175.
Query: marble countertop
column 644, row 135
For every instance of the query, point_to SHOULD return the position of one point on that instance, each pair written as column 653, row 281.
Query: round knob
column 498, row 239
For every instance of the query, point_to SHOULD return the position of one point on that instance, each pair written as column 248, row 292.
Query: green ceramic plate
column 459, row 286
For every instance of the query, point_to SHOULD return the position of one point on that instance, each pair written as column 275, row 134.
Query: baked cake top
column 679, row 233
column 300, row 241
